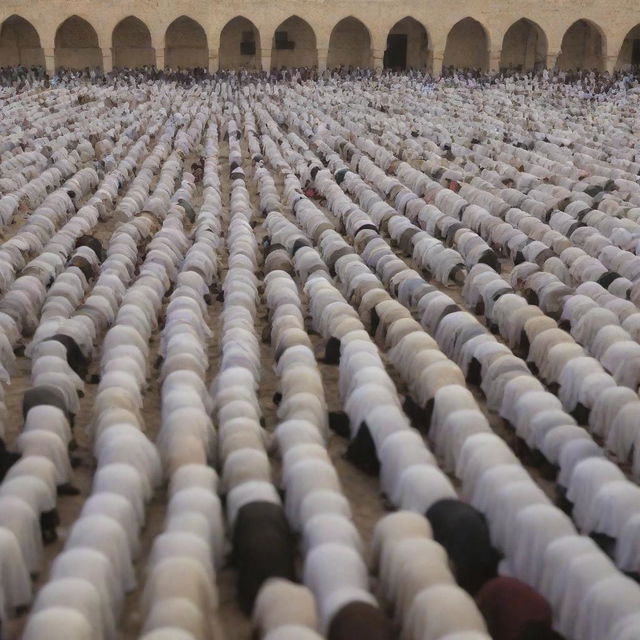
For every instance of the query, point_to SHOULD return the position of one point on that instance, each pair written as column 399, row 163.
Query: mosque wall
column 303, row 40
column 27, row 56
column 76, row 45
column 350, row 44
column 133, row 57
column 581, row 47
column 467, row 46
column 625, row 56
column 523, row 47
column 131, row 44
column 19, row 43
column 231, row 53
column 78, row 57
column 603, row 44
column 186, row 44
column 417, row 42
column 185, row 58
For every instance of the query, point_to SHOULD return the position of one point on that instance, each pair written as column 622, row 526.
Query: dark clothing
column 360, row 621
column 463, row 532
column 513, row 609
column 263, row 548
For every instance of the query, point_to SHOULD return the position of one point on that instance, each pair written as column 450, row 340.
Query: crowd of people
column 447, row 273
column 590, row 84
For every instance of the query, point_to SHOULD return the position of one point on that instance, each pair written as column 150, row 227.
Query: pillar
column 436, row 63
column 323, row 56
column 159, row 58
column 107, row 60
column 50, row 61
column 552, row 60
column 377, row 59
column 266, row 59
column 213, row 60
column 494, row 61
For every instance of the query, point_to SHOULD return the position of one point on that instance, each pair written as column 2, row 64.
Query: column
column 552, row 60
column 50, row 61
column 213, row 60
column 494, row 61
column 107, row 60
column 610, row 63
column 266, row 59
column 436, row 63
column 159, row 58
column 377, row 59
column 323, row 56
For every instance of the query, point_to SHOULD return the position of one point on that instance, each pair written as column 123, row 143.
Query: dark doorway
column 635, row 53
column 396, row 53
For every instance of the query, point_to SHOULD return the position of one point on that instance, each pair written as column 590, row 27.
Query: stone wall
column 231, row 56
column 19, row 43
column 467, row 46
column 417, row 42
column 624, row 57
column 524, row 47
column 581, row 47
column 185, row 45
column 131, row 44
column 350, row 44
column 305, row 50
column 601, row 44
column 76, row 45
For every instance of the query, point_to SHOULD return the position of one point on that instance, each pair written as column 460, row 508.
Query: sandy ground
column 361, row 490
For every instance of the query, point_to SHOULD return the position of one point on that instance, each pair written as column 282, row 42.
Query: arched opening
column 240, row 45
column 407, row 46
column 294, row 44
column 131, row 44
column 185, row 45
column 76, row 45
column 349, row 45
column 467, row 46
column 20, row 44
column 629, row 56
column 582, row 47
column 524, row 47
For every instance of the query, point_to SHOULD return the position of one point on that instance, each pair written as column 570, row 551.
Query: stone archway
column 76, row 45
column 407, row 46
column 20, row 44
column 524, row 46
column 185, row 45
column 294, row 44
column 349, row 44
column 240, row 45
column 131, row 44
column 629, row 54
column 467, row 46
column 582, row 47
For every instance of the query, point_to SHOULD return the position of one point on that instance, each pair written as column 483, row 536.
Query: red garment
column 508, row 605
column 454, row 186
column 310, row 192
